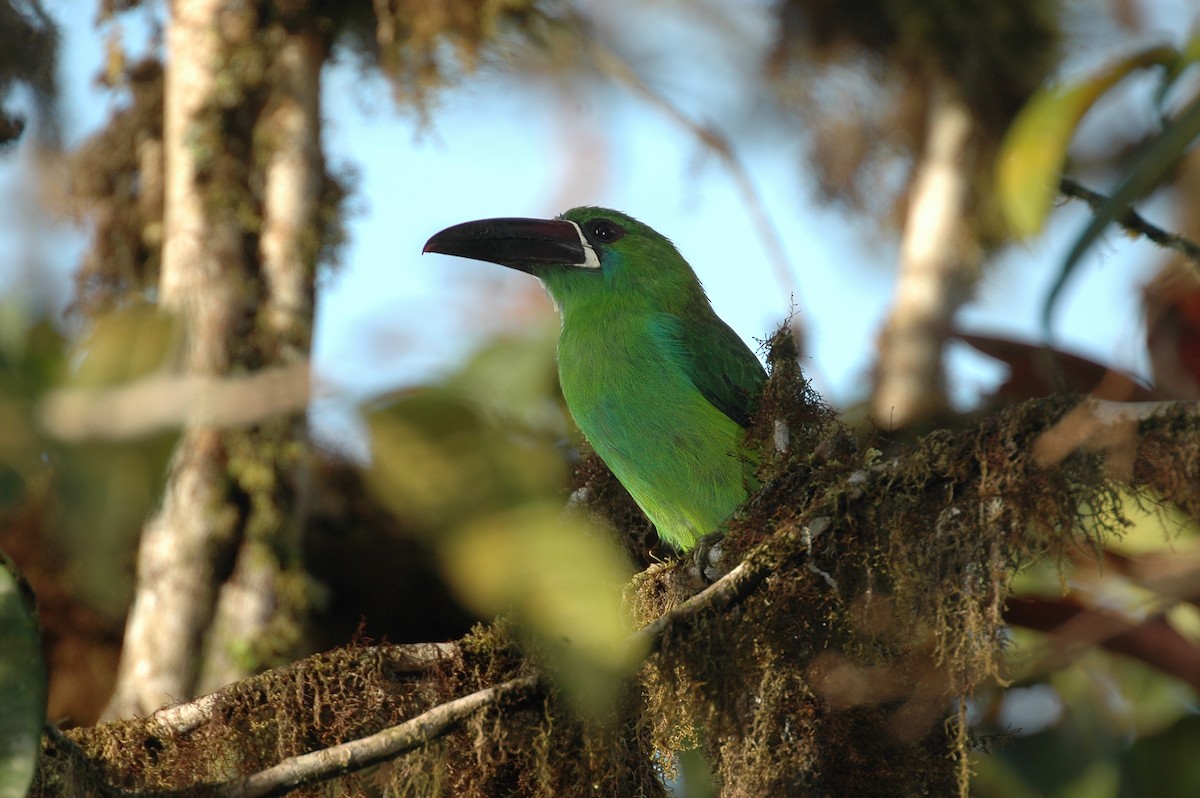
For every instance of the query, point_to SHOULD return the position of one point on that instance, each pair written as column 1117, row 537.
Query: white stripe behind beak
column 591, row 261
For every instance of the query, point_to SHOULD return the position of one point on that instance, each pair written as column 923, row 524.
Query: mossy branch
column 338, row 760
column 799, row 574
column 727, row 591
column 395, row 741
column 413, row 658
column 398, row 740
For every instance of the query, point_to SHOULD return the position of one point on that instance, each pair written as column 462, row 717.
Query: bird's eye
column 604, row 231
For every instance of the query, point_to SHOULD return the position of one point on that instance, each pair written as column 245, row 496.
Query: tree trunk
column 258, row 605
column 936, row 260
column 244, row 294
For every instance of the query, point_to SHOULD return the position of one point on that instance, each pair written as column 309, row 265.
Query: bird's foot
column 708, row 558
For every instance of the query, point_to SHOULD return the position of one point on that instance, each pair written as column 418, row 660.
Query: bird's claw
column 708, row 558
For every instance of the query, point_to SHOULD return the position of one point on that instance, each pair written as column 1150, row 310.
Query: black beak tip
column 435, row 244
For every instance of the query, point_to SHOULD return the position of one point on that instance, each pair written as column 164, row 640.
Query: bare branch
column 161, row 402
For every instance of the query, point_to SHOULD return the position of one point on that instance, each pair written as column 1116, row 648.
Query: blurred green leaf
column 1191, row 51
column 32, row 356
column 105, row 492
column 436, row 461
column 1099, row 779
column 101, row 492
column 485, row 482
column 107, row 488
column 124, row 345
column 1032, row 154
column 1164, row 765
column 1109, row 703
column 513, row 380
column 22, row 686
column 561, row 581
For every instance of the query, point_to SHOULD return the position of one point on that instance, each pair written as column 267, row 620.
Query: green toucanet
column 662, row 388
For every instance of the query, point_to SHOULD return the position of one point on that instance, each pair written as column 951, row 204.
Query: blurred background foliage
column 478, row 466
column 1081, row 720
column 456, row 512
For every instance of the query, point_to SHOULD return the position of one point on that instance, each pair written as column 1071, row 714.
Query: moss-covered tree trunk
column 243, row 179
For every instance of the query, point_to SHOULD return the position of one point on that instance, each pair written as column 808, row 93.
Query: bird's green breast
column 679, row 456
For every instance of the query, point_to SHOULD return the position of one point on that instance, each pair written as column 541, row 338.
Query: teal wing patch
column 718, row 363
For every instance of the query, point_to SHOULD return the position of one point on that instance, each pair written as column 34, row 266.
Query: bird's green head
column 588, row 255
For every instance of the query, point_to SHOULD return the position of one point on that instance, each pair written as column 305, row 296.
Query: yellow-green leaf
column 1033, row 151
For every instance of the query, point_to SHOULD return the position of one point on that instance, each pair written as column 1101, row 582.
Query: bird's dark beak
column 517, row 243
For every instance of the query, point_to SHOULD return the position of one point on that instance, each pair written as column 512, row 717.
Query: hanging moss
column 883, row 609
column 860, row 76
column 117, row 178
column 29, row 47
column 424, row 45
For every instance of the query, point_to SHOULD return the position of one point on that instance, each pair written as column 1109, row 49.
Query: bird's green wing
column 717, row 362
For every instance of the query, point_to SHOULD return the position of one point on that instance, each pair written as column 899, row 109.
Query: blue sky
column 390, row 317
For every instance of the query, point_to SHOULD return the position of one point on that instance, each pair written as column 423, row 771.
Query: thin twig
column 1134, row 222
